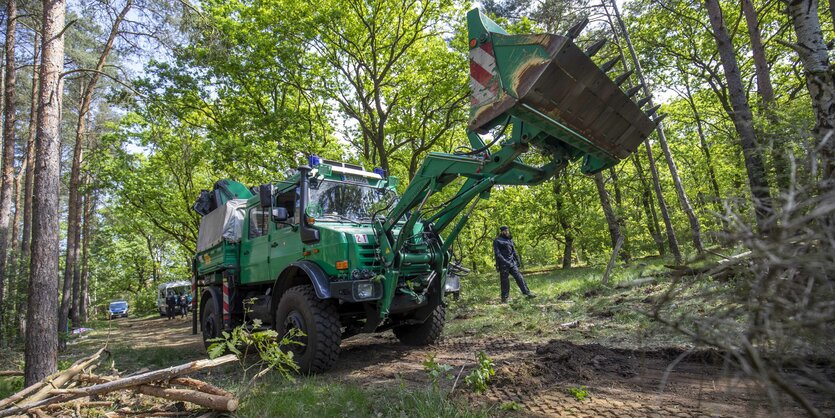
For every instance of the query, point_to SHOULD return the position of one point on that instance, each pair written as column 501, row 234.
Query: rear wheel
column 211, row 323
column 423, row 334
column 318, row 319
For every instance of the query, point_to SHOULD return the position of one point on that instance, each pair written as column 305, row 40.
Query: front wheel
column 423, row 334
column 318, row 319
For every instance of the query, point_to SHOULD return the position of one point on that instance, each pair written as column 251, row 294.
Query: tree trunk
column 28, row 182
column 649, row 209
column 71, row 268
column 703, row 145
column 14, row 263
column 611, row 219
column 766, row 92
column 84, row 302
column 819, row 81
column 41, row 349
column 563, row 221
column 742, row 118
column 624, row 252
column 764, row 87
column 662, row 205
column 7, row 180
column 695, row 227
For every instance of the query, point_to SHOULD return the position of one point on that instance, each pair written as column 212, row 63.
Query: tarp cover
column 224, row 223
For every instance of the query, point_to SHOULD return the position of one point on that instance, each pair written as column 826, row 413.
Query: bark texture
column 7, row 178
column 28, row 182
column 742, row 117
column 41, row 350
column 820, row 81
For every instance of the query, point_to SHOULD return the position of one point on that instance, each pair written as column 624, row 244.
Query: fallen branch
column 207, row 395
column 10, row 373
column 200, row 385
column 49, row 392
column 215, row 402
column 63, row 377
column 154, row 376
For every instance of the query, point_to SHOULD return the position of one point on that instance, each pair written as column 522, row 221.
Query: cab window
column 289, row 200
column 258, row 222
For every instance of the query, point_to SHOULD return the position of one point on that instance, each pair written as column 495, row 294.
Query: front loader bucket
column 546, row 81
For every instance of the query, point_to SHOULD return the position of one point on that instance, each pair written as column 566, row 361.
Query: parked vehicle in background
column 117, row 309
column 178, row 288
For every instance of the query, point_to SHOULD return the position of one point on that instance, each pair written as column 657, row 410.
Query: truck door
column 286, row 244
column 255, row 248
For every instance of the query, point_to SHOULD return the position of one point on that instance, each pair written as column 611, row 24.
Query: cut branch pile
column 69, row 391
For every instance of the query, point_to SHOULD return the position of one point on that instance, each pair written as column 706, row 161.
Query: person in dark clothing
column 507, row 264
column 182, row 305
column 171, row 302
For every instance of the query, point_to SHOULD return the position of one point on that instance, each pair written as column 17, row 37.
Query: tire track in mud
column 536, row 376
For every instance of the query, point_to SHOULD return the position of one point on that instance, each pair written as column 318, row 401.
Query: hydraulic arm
column 554, row 99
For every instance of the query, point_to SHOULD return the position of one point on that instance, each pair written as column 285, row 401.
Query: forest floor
column 619, row 359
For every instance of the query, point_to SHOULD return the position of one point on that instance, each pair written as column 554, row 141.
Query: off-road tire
column 211, row 323
column 318, row 319
column 423, row 334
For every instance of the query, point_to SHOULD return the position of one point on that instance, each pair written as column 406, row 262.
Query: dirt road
column 535, row 377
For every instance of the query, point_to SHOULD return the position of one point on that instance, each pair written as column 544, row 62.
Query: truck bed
column 222, row 256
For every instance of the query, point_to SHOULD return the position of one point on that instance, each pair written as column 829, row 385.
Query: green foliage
column 271, row 348
column 436, row 371
column 10, row 386
column 579, row 393
column 479, row 378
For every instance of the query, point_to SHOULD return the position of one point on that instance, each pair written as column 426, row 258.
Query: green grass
column 9, row 386
column 320, row 397
column 608, row 315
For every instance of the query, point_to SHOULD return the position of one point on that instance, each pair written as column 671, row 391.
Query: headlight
column 365, row 290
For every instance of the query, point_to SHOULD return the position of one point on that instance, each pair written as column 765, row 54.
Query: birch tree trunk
column 695, row 227
column 41, row 349
column 72, row 271
column 742, row 118
column 819, row 81
column 7, row 179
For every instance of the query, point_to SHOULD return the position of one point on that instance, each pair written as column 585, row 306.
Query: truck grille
column 368, row 256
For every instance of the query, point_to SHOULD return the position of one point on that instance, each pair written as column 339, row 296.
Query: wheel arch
column 301, row 273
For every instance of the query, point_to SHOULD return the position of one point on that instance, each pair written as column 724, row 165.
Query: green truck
column 333, row 250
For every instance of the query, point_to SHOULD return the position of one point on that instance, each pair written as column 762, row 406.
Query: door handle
column 246, row 252
column 274, row 244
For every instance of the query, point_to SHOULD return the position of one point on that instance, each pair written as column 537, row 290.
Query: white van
column 164, row 290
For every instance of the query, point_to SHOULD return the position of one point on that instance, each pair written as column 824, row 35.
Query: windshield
column 119, row 305
column 347, row 201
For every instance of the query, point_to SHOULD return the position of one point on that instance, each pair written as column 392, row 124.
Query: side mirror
column 265, row 192
column 280, row 214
